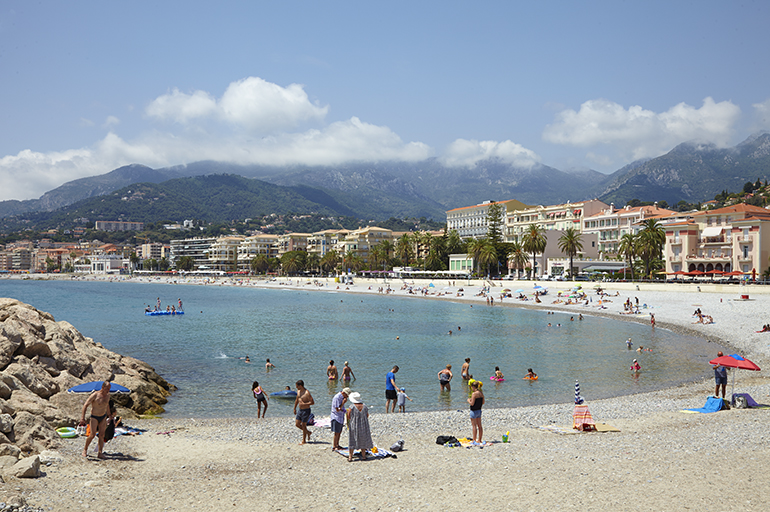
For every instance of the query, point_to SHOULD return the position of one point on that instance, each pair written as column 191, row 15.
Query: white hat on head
column 355, row 397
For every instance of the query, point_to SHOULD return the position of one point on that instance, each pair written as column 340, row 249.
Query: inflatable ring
column 530, row 378
column 496, row 379
column 66, row 432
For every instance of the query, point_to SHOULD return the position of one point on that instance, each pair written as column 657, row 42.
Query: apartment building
column 473, row 221
column 117, row 225
column 322, row 242
column 360, row 241
column 154, row 251
column 196, row 248
column 252, row 246
column 610, row 224
column 292, row 242
column 733, row 238
column 223, row 253
column 553, row 217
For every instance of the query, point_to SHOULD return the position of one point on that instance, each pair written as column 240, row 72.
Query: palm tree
column 375, row 256
column 487, row 254
column 330, row 261
column 259, row 264
column 570, row 243
column 404, row 249
column 534, row 242
column 387, row 248
column 313, row 261
column 652, row 238
column 627, row 247
column 474, row 246
column 424, row 241
column 517, row 256
column 454, row 244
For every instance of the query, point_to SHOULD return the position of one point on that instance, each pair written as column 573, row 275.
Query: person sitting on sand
column 530, row 375
column 635, row 366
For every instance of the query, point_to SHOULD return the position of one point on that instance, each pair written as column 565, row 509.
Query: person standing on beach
column 338, row 416
column 304, row 400
column 99, row 401
column 359, row 432
column 476, row 401
column 347, row 372
column 465, row 372
column 331, row 371
column 445, row 377
column 652, row 320
column 390, row 390
column 720, row 376
column 261, row 397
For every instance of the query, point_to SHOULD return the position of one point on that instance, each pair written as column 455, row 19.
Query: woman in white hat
column 359, row 433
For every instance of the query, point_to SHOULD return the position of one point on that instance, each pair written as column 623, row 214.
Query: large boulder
column 33, row 434
column 33, row 377
column 28, row 467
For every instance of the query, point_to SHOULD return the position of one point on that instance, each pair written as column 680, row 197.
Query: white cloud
column 762, row 113
column 110, row 122
column 251, row 103
column 638, row 133
column 467, row 153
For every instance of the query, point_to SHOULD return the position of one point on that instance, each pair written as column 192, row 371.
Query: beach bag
column 397, row 446
column 109, row 432
column 442, row 440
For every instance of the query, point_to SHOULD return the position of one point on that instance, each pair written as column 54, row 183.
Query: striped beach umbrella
column 578, row 398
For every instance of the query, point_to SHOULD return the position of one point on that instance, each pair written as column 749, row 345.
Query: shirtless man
column 347, row 372
column 268, row 365
column 100, row 411
column 304, row 400
column 331, row 371
column 465, row 370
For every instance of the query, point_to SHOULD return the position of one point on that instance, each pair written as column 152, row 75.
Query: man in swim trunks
column 391, row 395
column 331, row 371
column 304, row 400
column 465, row 370
column 100, row 411
column 347, row 372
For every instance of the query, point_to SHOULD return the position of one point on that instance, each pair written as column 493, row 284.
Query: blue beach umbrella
column 519, row 291
column 90, row 387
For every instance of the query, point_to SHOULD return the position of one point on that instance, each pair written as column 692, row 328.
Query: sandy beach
column 662, row 458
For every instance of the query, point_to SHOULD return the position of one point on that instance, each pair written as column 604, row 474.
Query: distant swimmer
column 629, row 343
column 498, row 376
column 635, row 366
column 530, row 375
column 269, row 365
column 331, row 371
column 247, row 360
column 347, row 372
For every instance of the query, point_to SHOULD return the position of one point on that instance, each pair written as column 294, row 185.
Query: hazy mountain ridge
column 692, row 172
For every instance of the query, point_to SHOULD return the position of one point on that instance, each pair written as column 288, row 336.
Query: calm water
column 301, row 331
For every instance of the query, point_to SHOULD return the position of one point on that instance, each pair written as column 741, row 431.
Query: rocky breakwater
column 39, row 360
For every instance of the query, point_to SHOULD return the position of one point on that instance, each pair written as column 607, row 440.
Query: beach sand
column 662, row 458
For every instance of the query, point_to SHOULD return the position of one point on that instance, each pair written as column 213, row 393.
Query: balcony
column 676, row 258
column 715, row 239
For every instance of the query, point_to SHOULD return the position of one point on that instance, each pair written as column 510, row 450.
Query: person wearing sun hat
column 338, row 415
column 359, row 433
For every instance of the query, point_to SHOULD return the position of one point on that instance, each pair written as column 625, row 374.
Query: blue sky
column 86, row 87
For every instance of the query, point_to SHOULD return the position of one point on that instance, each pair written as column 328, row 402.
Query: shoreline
column 661, row 458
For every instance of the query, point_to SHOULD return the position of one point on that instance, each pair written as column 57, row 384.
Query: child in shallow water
column 530, row 375
column 498, row 374
column 635, row 366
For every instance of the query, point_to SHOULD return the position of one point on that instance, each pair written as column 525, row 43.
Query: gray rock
column 9, row 449
column 33, row 433
column 6, row 423
column 7, row 461
column 34, row 378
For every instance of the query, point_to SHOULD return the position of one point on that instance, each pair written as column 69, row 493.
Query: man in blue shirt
column 338, row 416
column 391, row 395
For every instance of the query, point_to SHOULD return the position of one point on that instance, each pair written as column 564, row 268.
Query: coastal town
column 585, row 238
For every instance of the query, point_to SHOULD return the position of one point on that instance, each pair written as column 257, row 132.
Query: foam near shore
column 662, row 459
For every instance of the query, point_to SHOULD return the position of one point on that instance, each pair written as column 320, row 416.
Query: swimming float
column 530, row 378
column 158, row 313
column 66, row 432
column 496, row 379
column 286, row 393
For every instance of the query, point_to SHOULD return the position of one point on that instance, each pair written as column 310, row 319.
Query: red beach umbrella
column 737, row 362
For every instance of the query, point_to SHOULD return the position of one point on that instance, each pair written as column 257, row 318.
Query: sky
column 87, row 87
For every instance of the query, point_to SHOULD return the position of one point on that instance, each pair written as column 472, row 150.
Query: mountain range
column 691, row 172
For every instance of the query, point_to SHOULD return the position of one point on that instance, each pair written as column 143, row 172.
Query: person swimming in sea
column 498, row 374
column 530, row 375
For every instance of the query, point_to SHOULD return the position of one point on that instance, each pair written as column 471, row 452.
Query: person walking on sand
column 347, row 372
column 476, row 401
column 304, row 400
column 261, row 397
column 445, row 377
column 465, row 372
column 338, row 416
column 331, row 371
column 99, row 401
column 390, row 390
column 720, row 376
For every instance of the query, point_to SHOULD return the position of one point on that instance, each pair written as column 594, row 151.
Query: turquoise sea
column 300, row 331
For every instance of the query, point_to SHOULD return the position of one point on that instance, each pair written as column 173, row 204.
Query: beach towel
column 381, row 453
column 324, row 423
column 712, row 405
column 582, row 419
